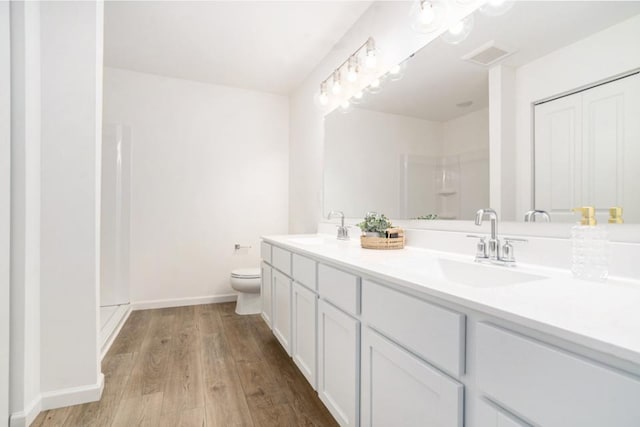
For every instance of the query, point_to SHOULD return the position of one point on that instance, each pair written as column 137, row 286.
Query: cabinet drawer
column 550, row 386
column 304, row 271
column 490, row 415
column 432, row 332
column 398, row 389
column 340, row 288
column 281, row 259
column 265, row 252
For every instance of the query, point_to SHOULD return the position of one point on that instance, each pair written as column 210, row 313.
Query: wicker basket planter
column 395, row 242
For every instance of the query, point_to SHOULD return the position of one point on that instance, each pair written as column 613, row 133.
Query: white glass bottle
column 589, row 247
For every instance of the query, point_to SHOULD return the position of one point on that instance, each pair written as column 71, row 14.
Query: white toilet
column 247, row 282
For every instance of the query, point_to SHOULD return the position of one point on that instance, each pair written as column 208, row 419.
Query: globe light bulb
column 427, row 14
column 395, row 69
column 371, row 59
column 375, row 83
column 323, row 99
column 457, row 28
column 336, row 87
column 352, row 75
column 358, row 95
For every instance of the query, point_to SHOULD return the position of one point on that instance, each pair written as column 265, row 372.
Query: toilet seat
column 246, row 273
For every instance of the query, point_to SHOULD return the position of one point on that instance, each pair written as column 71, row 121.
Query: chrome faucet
column 343, row 231
column 491, row 250
column 531, row 215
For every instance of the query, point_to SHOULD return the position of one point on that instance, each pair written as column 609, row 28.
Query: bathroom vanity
column 417, row 337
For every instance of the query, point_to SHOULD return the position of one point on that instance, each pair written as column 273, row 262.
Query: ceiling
column 268, row 46
column 437, row 79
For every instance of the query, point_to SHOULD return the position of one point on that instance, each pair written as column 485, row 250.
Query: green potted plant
column 375, row 225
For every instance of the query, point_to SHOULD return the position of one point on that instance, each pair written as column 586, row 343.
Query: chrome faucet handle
column 508, row 254
column 343, row 232
column 481, row 247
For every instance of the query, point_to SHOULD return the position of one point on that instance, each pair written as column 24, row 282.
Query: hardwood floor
column 196, row 366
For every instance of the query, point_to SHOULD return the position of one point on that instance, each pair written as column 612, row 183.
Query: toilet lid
column 246, row 273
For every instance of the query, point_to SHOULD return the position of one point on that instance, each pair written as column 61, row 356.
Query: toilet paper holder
column 237, row 247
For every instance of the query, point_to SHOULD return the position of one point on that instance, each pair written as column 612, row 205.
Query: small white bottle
column 589, row 247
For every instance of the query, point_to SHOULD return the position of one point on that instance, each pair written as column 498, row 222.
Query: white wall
column 5, row 209
column 25, row 211
column 467, row 137
column 362, row 159
column 71, row 64
column 597, row 57
column 388, row 23
column 209, row 169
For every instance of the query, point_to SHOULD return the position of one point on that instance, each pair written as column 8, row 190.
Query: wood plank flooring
column 196, row 366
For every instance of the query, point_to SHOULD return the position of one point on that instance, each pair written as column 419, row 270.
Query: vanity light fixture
column 351, row 66
column 428, row 15
column 458, row 31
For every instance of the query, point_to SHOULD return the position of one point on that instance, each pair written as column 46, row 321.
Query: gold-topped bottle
column 615, row 215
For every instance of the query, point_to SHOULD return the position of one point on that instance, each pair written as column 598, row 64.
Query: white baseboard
column 57, row 399
column 26, row 417
column 179, row 302
column 73, row 396
column 115, row 330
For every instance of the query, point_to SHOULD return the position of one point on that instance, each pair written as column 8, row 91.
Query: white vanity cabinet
column 266, row 292
column 338, row 363
column 552, row 387
column 381, row 353
column 399, row 389
column 281, row 307
column 303, row 325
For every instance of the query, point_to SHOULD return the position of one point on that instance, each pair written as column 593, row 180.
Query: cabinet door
column 282, row 309
column 266, row 293
column 489, row 415
column 338, row 357
column 304, row 317
column 398, row 389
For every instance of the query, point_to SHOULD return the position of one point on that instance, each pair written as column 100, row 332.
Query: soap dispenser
column 590, row 247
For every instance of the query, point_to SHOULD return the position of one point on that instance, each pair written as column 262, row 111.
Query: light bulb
column 323, row 99
column 395, row 69
column 336, row 87
column 457, row 28
column 358, row 95
column 427, row 14
column 375, row 83
column 352, row 75
column 371, row 60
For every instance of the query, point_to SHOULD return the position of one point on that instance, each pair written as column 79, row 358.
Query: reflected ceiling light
column 357, row 97
column 396, row 72
column 345, row 106
column 496, row 7
column 336, row 86
column 459, row 31
column 375, row 86
column 428, row 15
column 352, row 69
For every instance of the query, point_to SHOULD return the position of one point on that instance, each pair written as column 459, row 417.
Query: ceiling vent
column 488, row 54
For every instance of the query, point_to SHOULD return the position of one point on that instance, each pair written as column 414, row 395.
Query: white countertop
column 602, row 316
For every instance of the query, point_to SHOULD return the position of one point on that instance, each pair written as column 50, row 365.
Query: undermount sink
column 465, row 273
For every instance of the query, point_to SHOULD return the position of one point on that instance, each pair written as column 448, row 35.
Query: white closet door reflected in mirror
column 587, row 151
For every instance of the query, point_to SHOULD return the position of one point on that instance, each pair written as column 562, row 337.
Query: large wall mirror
column 422, row 146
